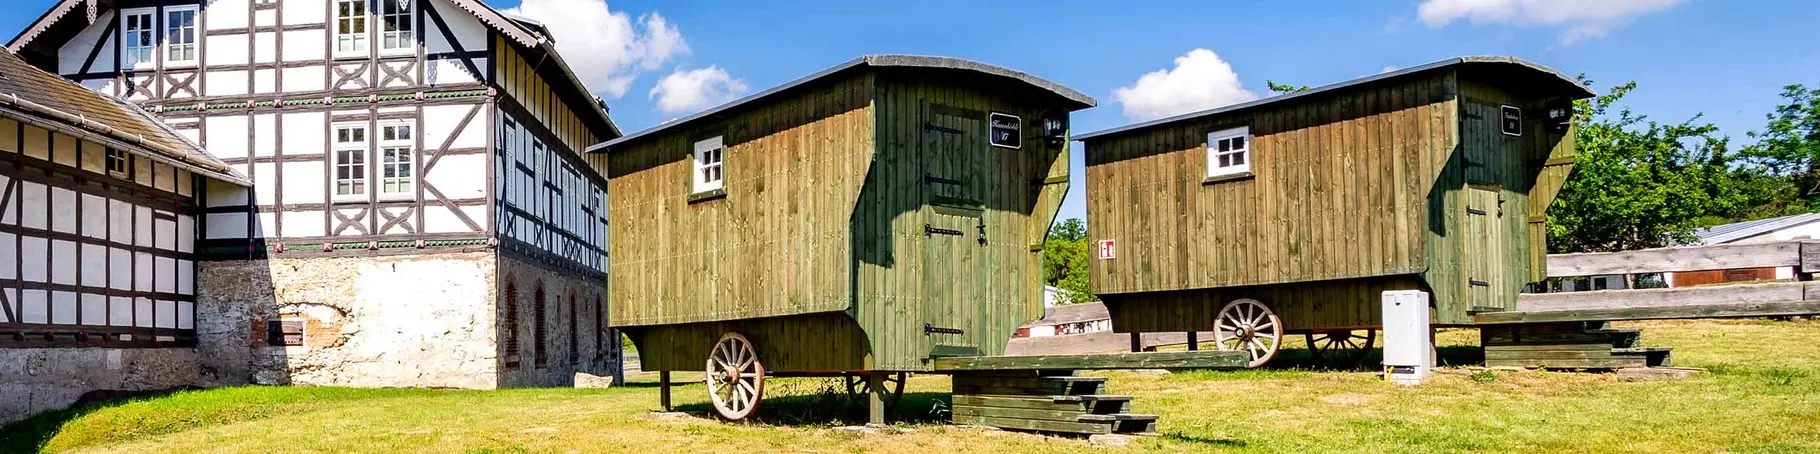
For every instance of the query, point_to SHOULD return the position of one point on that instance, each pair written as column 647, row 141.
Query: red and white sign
column 1108, row 250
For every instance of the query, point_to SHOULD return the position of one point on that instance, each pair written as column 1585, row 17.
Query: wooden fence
column 1754, row 299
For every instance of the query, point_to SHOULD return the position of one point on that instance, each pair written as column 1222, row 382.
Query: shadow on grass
column 30, row 434
column 838, row 408
column 1302, row 360
column 1221, row 442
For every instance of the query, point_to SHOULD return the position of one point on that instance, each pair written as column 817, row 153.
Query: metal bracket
column 1477, row 283
column 932, row 329
column 931, row 230
column 982, row 227
column 932, row 127
column 1476, row 211
column 927, row 178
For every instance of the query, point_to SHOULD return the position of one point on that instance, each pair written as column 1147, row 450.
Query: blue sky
column 1728, row 59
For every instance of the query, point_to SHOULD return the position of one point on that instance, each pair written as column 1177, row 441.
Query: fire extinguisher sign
column 1108, row 250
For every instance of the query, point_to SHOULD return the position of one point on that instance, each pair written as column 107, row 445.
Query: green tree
column 1640, row 184
column 1786, row 155
column 1065, row 260
column 1283, row 89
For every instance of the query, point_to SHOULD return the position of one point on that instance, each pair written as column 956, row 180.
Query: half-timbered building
column 419, row 214
column 99, row 205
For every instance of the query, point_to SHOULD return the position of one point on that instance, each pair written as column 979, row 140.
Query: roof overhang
column 1075, row 99
column 1551, row 81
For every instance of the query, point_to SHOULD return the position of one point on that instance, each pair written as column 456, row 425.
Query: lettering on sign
column 1108, row 250
column 1005, row 130
column 1512, row 119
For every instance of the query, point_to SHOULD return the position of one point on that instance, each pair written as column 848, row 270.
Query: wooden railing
column 1747, row 299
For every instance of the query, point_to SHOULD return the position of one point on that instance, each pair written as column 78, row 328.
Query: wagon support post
column 875, row 399
column 663, row 388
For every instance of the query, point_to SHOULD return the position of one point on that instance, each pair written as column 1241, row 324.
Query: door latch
column 982, row 227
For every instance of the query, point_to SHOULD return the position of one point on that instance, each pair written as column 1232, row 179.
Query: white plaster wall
column 468, row 31
column 225, row 49
column 387, row 321
column 305, row 11
column 76, row 51
column 224, row 14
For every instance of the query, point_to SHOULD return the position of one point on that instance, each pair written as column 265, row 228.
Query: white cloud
column 607, row 49
column 1583, row 19
column 1199, row 81
column 691, row 90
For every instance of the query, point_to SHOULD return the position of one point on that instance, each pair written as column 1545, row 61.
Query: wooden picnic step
column 1043, row 402
column 1566, row 345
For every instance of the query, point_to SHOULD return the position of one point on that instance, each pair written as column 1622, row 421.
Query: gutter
column 166, row 154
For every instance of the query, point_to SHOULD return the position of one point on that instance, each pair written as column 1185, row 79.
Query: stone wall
column 416, row 320
column 39, row 379
column 590, row 358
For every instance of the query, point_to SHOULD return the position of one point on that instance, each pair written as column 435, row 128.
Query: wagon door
column 1486, row 267
column 954, row 162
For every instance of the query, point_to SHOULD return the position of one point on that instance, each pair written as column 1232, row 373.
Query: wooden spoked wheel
column 894, row 381
column 1249, row 326
column 736, row 379
column 1343, row 348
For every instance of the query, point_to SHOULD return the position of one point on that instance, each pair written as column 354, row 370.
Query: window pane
column 1238, row 143
column 1225, row 160
column 1225, row 145
column 1238, row 159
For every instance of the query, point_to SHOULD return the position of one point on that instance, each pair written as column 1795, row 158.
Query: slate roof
column 54, row 102
column 1553, row 80
column 1720, row 234
column 1081, row 101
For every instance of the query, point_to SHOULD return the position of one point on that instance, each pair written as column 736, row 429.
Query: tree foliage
column 1786, row 155
column 1065, row 260
column 1640, row 184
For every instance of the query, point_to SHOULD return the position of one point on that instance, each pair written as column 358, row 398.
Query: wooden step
column 1029, row 386
column 1652, row 356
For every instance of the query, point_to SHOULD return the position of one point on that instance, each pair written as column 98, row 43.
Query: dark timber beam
column 1727, row 310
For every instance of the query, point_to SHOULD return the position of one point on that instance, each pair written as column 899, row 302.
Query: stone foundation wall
column 588, row 355
column 39, row 379
column 419, row 320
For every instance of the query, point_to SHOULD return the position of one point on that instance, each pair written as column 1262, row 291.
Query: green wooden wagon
column 865, row 220
column 1292, row 214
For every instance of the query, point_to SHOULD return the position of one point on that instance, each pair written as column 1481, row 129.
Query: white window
column 139, row 33
column 397, row 148
column 398, row 26
column 180, row 35
column 350, row 150
column 1229, row 152
column 708, row 155
column 350, row 27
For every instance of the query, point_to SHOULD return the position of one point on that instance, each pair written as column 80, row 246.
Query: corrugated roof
column 1562, row 82
column 1081, row 100
column 62, row 104
column 1721, row 234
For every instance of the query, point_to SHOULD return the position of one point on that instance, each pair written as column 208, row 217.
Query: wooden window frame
column 1239, row 155
column 361, row 148
column 148, row 36
column 118, row 163
column 540, row 329
column 708, row 163
column 406, row 143
column 510, row 343
column 173, row 36
column 358, row 42
column 392, row 12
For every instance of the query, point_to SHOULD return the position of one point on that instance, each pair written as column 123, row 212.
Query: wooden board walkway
column 1206, row 359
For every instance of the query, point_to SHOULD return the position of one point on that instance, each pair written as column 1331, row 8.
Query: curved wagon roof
column 1547, row 78
column 1078, row 99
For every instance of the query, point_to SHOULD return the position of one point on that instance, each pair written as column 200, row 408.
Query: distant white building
column 1068, row 319
column 1796, row 227
column 1053, row 296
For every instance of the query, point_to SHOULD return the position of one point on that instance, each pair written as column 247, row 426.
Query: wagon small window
column 1229, row 152
column 708, row 160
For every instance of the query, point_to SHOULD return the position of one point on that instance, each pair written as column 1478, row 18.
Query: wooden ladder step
column 1652, row 356
column 1116, row 417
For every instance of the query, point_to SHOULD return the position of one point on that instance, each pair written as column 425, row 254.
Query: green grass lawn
column 1763, row 395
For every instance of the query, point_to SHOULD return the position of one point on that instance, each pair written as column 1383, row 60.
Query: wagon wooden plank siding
column 867, row 218
column 1303, row 208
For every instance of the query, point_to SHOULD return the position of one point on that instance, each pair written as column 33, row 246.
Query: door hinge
column 931, row 230
column 1477, row 283
column 1475, row 211
column 932, row 329
column 927, row 178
